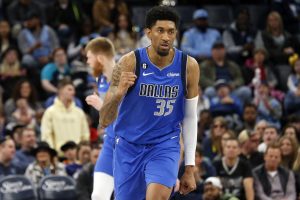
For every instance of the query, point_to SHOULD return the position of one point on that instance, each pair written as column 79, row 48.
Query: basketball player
column 154, row 90
column 100, row 57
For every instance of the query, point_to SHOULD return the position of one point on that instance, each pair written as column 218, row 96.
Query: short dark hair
column 273, row 145
column 161, row 13
column 64, row 82
column 250, row 105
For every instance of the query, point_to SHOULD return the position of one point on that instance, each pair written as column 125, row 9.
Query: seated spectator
column 10, row 70
column 290, row 131
column 123, row 36
column 6, row 39
column 269, row 136
column 24, row 155
column 279, row 44
column 296, row 170
column 203, row 169
column 36, row 42
column 23, row 89
column 24, row 115
column 45, row 164
column 105, row 12
column 235, row 173
column 84, row 182
column 226, row 105
column 65, row 17
column 18, row 11
column 55, row 71
column 258, row 66
column 7, row 154
column 203, row 102
column 260, row 127
column 239, row 37
column 292, row 98
column 268, row 107
column 249, row 116
column 212, row 144
column 69, row 150
column 219, row 67
column 249, row 141
column 201, row 33
column 271, row 180
column 289, row 150
column 213, row 190
column 205, row 120
column 227, row 135
column 63, row 121
column 83, row 157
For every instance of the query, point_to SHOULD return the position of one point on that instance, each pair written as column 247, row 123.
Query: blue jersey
column 103, row 86
column 153, row 109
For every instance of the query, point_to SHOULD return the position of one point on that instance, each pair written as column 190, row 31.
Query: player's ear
column 100, row 59
column 148, row 33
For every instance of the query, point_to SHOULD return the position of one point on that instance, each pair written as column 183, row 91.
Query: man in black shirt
column 235, row 174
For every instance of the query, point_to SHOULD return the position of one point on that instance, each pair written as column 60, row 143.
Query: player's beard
column 98, row 69
column 162, row 53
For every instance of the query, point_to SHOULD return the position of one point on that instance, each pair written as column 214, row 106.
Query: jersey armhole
column 183, row 72
column 137, row 69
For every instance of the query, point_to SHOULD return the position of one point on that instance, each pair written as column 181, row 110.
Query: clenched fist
column 127, row 80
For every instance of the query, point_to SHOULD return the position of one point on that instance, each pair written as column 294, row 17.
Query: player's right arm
column 123, row 78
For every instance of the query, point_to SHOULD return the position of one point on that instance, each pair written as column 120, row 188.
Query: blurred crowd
column 249, row 103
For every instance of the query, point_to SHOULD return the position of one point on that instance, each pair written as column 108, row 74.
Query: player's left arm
column 189, row 130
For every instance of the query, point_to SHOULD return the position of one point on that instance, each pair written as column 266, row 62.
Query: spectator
column 203, row 102
column 205, row 120
column 289, row 150
column 45, row 164
column 123, row 36
column 292, row 98
column 63, row 121
column 105, row 12
column 239, row 37
column 249, row 116
column 257, row 65
column 227, row 135
column 270, row 135
column 201, row 33
column 65, row 17
column 226, row 105
column 271, row 180
column 279, row 43
column 268, row 107
column 249, row 141
column 212, row 144
column 203, row 170
column 235, row 174
column 7, row 154
column 6, row 39
column 23, row 89
column 24, row 155
column 36, row 42
column 10, row 70
column 296, row 170
column 18, row 11
column 290, row 131
column 219, row 67
column 69, row 150
column 260, row 127
column 84, row 182
column 24, row 115
column 55, row 71
column 83, row 155
column 213, row 190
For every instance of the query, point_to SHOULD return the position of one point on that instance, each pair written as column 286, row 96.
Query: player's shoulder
column 128, row 61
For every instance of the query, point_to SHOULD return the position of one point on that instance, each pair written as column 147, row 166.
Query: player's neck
column 108, row 69
column 158, row 60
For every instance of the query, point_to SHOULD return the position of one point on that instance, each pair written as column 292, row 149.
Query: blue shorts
column 136, row 166
column 105, row 160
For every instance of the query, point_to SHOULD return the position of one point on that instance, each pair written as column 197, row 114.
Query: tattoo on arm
column 109, row 110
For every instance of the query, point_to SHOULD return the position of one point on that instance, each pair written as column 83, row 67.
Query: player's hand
column 127, row 80
column 94, row 100
column 187, row 181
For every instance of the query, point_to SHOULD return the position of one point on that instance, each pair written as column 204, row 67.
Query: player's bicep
column 193, row 75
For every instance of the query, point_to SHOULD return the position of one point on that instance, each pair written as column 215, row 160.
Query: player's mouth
column 165, row 46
